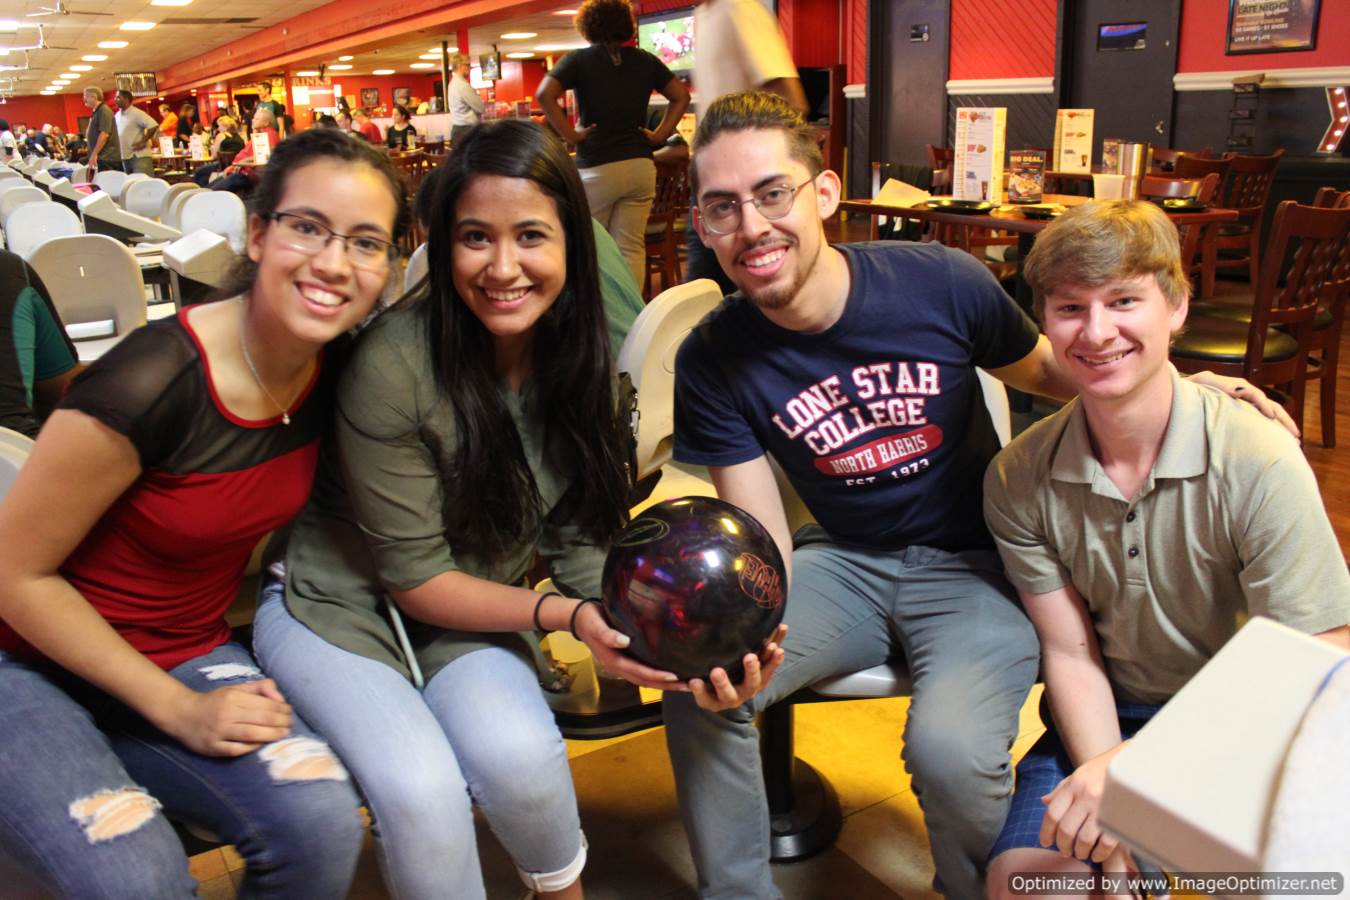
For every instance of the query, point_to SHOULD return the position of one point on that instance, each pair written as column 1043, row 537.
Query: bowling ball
column 695, row 583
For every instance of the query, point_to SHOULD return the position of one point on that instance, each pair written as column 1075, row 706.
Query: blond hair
column 1103, row 242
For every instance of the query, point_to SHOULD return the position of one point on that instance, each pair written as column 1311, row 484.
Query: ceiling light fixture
column 525, row 54
column 519, row 35
column 112, row 45
column 94, row 57
column 71, row 75
column 136, row 26
column 81, row 68
column 564, row 12
column 170, row 2
column 429, row 56
column 382, row 72
column 47, row 93
column 422, row 66
column 308, row 73
column 342, row 67
column 343, row 58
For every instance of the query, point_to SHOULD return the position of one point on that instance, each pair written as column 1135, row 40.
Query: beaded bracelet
column 572, row 625
column 538, row 626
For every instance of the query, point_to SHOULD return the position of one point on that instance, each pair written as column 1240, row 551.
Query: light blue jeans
column 85, row 784
column 479, row 732
column 973, row 657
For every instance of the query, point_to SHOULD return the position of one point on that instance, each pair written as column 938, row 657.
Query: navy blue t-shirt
column 879, row 420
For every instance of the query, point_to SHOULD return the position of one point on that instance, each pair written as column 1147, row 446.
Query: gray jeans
column 142, row 164
column 973, row 656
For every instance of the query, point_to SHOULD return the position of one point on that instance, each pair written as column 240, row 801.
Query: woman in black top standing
column 613, row 84
column 399, row 135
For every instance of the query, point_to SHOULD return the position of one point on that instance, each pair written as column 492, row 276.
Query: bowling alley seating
column 13, row 199
column 171, row 204
column 145, row 197
column 14, row 449
column 417, row 267
column 111, row 181
column 804, row 813
column 32, row 224
column 95, row 284
column 219, row 212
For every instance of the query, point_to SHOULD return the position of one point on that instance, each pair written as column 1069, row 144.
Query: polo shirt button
column 1134, row 551
column 1129, row 516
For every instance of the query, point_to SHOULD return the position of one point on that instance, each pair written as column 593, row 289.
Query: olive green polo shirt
column 374, row 521
column 1228, row 524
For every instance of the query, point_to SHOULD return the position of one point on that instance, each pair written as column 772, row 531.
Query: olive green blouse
column 374, row 521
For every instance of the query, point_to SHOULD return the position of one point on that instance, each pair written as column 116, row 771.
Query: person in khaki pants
column 613, row 84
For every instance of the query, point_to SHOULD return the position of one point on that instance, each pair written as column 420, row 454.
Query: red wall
column 1204, row 25
column 420, row 85
column 1003, row 39
column 36, row 111
column 520, row 79
column 811, row 28
column 855, row 40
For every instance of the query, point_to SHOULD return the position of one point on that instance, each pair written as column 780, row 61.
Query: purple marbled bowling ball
column 695, row 583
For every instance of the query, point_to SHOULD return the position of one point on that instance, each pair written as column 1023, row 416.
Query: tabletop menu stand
column 1242, row 115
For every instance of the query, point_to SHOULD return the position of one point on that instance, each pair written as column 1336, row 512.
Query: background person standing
column 466, row 107
column 105, row 150
column 136, row 134
column 614, row 83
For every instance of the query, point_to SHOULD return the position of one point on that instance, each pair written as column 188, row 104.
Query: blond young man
column 1140, row 524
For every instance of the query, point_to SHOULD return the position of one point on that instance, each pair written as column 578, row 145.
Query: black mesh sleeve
column 144, row 388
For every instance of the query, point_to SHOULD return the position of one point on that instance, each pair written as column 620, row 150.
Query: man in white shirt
column 136, row 131
column 9, row 148
column 466, row 107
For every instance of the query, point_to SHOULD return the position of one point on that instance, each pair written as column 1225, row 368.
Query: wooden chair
column 1318, row 279
column 412, row 165
column 1324, row 362
column 940, row 160
column 1246, row 189
column 670, row 206
column 1164, row 159
column 1204, row 190
column 1189, row 166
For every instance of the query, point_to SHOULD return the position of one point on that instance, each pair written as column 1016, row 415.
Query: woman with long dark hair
column 476, row 427
column 123, row 542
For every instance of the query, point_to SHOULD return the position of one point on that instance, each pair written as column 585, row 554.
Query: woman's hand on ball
column 718, row 693
column 607, row 645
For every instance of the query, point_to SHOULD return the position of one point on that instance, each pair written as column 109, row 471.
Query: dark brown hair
column 756, row 111
column 606, row 21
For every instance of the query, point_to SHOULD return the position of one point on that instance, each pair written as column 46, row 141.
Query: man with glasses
column 853, row 367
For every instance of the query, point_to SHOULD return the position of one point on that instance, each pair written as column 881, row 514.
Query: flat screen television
column 669, row 36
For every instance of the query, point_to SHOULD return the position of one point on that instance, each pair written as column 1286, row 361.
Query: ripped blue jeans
column 86, row 785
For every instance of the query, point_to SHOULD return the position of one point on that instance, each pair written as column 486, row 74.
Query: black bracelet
column 539, row 626
column 572, row 625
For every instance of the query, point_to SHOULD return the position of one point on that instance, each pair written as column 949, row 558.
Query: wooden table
column 1010, row 218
